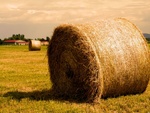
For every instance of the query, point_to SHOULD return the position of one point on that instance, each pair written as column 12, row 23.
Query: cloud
column 54, row 12
column 44, row 11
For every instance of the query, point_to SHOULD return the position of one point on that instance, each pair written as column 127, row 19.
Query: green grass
column 25, row 84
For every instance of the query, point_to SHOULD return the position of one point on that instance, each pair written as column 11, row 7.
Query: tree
column 22, row 37
column 5, row 39
column 1, row 41
column 17, row 37
column 13, row 36
column 47, row 38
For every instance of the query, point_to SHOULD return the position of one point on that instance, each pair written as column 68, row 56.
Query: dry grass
column 34, row 45
column 24, row 88
column 104, row 59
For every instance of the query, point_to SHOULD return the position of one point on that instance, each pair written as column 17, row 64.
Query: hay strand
column 97, row 60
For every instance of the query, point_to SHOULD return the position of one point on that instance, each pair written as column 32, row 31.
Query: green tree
column 22, row 37
column 17, row 37
column 47, row 38
column 1, row 41
column 5, row 39
column 13, row 36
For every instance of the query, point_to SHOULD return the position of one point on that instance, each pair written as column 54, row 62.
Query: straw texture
column 34, row 45
column 97, row 60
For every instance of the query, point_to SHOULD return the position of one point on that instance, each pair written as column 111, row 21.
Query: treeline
column 22, row 37
column 16, row 37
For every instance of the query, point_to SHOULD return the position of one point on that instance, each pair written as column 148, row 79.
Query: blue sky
column 38, row 18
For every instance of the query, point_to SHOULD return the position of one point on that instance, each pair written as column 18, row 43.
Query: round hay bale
column 34, row 45
column 97, row 60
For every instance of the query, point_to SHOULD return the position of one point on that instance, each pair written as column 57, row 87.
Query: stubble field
column 25, row 85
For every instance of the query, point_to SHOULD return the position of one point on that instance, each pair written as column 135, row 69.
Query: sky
column 39, row 18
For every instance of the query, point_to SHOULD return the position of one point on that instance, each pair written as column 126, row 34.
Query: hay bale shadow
column 47, row 95
column 39, row 95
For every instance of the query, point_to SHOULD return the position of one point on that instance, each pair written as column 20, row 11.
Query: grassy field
column 25, row 84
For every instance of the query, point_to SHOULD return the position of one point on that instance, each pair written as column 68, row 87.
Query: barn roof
column 13, row 41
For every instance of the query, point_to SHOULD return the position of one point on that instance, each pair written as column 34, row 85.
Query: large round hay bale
column 97, row 60
column 34, row 45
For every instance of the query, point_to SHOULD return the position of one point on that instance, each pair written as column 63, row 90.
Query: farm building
column 15, row 42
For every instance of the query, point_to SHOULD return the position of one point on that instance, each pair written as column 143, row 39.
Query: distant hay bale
column 97, row 60
column 34, row 45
